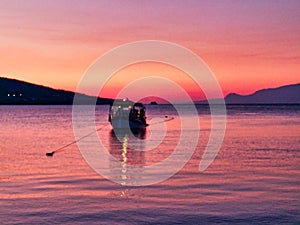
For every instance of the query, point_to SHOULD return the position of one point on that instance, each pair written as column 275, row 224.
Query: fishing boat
column 127, row 114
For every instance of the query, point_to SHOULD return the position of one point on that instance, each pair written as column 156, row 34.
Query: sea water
column 255, row 178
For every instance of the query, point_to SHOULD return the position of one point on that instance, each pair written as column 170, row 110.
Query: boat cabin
column 126, row 110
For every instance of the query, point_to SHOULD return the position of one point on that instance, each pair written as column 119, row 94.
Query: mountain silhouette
column 289, row 94
column 16, row 92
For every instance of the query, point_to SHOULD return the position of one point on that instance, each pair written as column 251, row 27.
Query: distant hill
column 16, row 92
column 289, row 94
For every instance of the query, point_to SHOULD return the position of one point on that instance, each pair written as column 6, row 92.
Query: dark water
column 255, row 179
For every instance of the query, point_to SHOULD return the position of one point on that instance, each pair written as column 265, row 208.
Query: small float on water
column 127, row 114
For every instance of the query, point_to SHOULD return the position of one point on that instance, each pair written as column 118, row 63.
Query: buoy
column 50, row 154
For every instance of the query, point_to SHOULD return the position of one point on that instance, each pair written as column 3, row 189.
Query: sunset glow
column 249, row 45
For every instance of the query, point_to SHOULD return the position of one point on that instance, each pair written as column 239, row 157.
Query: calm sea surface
column 255, row 178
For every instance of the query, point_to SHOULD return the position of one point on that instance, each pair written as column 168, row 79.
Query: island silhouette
column 17, row 92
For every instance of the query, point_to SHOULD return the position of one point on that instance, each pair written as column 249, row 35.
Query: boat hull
column 126, row 124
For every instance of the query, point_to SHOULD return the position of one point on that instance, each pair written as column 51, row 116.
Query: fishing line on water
column 166, row 119
column 50, row 154
column 73, row 142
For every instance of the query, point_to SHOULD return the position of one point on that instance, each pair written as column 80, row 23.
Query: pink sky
column 248, row 45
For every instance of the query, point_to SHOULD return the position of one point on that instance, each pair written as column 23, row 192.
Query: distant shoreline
column 162, row 104
column 16, row 92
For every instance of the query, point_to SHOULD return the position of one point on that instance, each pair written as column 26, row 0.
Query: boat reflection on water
column 128, row 154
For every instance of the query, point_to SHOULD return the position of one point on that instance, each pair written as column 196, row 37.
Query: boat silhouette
column 125, row 114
